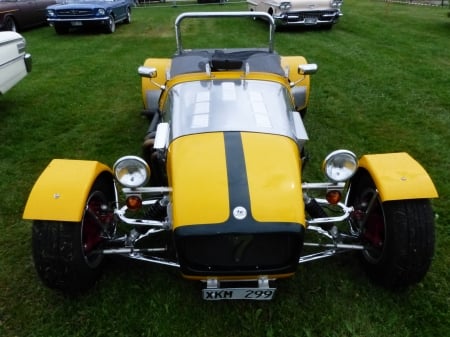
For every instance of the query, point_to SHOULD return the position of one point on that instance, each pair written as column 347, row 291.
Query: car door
column 26, row 14
column 31, row 12
column 40, row 8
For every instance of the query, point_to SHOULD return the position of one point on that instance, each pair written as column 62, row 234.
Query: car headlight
column 131, row 171
column 284, row 6
column 340, row 165
column 50, row 12
column 101, row 11
column 336, row 3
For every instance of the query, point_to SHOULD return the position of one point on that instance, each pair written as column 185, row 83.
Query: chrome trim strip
column 17, row 40
column 14, row 60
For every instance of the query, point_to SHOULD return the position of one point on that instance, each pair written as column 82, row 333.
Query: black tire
column 10, row 24
column 110, row 25
column 128, row 18
column 398, row 235
column 65, row 254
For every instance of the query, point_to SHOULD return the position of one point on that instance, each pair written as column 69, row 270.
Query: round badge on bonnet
column 239, row 212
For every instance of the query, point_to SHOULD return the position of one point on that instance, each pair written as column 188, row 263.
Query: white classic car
column 323, row 13
column 15, row 63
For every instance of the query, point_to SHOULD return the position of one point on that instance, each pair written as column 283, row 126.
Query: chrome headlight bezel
column 340, row 165
column 336, row 3
column 101, row 11
column 285, row 6
column 51, row 12
column 131, row 171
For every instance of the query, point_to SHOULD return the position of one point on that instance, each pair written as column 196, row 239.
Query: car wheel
column 65, row 253
column 10, row 24
column 61, row 29
column 128, row 18
column 398, row 235
column 110, row 25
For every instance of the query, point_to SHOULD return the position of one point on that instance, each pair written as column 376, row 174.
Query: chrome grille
column 74, row 12
column 311, row 15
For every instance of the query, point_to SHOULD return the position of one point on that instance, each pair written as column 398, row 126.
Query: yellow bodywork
column 61, row 191
column 398, row 176
column 276, row 196
column 197, row 199
column 199, row 178
column 162, row 65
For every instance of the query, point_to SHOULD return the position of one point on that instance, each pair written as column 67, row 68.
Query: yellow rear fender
column 398, row 176
column 150, row 89
column 290, row 64
column 302, row 88
column 61, row 191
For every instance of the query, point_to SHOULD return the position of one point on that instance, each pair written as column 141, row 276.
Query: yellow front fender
column 61, row 191
column 398, row 176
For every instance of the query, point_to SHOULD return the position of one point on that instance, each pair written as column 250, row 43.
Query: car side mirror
column 304, row 69
column 147, row 72
column 150, row 72
column 307, row 69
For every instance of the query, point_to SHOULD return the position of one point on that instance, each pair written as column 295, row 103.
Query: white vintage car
column 15, row 63
column 323, row 13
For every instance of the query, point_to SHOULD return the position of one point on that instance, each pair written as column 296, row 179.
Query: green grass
column 383, row 85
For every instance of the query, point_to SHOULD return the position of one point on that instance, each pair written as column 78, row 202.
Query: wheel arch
column 14, row 20
column 61, row 191
column 397, row 176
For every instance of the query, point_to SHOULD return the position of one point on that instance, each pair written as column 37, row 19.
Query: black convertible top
column 258, row 60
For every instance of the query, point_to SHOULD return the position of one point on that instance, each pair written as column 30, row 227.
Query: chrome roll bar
column 243, row 14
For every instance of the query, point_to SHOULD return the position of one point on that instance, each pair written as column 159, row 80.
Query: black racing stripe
column 237, row 173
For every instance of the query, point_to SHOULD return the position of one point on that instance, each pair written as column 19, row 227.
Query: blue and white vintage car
column 85, row 13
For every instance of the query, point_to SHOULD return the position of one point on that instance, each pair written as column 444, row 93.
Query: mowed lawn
column 383, row 85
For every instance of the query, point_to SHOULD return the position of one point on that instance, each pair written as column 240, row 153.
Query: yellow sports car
column 218, row 192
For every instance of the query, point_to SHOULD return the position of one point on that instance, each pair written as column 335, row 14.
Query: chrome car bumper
column 307, row 18
column 28, row 62
column 75, row 19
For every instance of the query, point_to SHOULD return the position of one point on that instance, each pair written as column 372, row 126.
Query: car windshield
column 225, row 105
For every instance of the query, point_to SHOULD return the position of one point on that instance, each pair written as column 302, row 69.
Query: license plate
column 238, row 294
column 76, row 23
column 310, row 21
